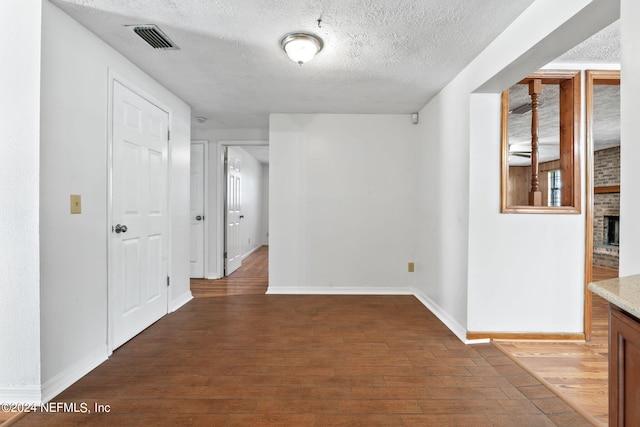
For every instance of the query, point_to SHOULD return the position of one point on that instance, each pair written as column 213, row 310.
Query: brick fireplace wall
column 606, row 173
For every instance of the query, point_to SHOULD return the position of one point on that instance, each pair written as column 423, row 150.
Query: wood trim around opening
column 528, row 336
column 592, row 77
column 571, row 83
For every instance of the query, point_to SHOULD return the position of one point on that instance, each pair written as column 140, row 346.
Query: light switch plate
column 76, row 204
column 411, row 267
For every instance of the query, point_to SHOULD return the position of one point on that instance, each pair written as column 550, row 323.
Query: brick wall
column 606, row 257
column 606, row 173
column 607, row 167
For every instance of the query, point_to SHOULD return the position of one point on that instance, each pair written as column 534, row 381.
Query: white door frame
column 221, row 183
column 207, row 217
column 113, row 77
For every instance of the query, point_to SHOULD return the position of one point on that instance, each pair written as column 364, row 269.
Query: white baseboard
column 448, row 321
column 64, row 379
column 250, row 252
column 293, row 290
column 21, row 394
column 214, row 275
column 56, row 385
column 455, row 327
column 180, row 301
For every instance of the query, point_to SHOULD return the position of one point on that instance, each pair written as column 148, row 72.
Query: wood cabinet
column 624, row 368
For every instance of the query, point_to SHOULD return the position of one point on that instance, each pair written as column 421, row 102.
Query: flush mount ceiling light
column 301, row 47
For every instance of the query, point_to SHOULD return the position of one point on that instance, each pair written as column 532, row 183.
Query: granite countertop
column 623, row 292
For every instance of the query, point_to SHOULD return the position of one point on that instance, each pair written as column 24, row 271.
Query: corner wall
column 482, row 289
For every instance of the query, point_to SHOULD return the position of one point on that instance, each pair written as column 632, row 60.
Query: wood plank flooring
column 308, row 360
column 303, row 360
column 577, row 371
column 250, row 279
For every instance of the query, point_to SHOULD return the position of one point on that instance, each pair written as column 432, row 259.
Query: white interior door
column 197, row 210
column 233, row 212
column 139, row 235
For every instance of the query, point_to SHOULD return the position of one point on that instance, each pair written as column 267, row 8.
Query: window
column 554, row 187
column 540, row 144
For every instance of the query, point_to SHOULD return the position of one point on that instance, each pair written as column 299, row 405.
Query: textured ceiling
column 606, row 116
column 379, row 56
column 606, row 121
column 602, row 48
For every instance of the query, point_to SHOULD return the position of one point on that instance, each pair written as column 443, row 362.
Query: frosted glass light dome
column 301, row 47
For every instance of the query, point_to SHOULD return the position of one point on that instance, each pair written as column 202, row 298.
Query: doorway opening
column 247, row 195
column 252, row 278
column 245, row 201
column 603, row 184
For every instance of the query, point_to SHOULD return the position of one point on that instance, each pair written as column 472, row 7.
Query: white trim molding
column 295, row 290
column 178, row 302
column 455, row 327
column 66, row 378
column 448, row 321
column 21, row 395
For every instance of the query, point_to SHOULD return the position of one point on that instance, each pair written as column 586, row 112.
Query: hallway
column 251, row 278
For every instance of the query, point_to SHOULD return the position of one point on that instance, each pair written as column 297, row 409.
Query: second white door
column 233, row 212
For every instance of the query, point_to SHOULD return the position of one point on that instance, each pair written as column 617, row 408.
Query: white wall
column 342, row 203
column 505, row 293
column 629, row 143
column 515, row 292
column 467, row 264
column 75, row 74
column 19, row 204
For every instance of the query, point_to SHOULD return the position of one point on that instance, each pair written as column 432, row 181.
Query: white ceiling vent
column 152, row 35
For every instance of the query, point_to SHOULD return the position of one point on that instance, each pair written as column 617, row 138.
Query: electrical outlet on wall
column 411, row 267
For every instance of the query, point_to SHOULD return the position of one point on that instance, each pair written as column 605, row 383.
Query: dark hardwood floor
column 307, row 360
column 300, row 360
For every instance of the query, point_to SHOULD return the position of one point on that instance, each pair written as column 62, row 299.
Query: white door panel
column 233, row 211
column 138, row 262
